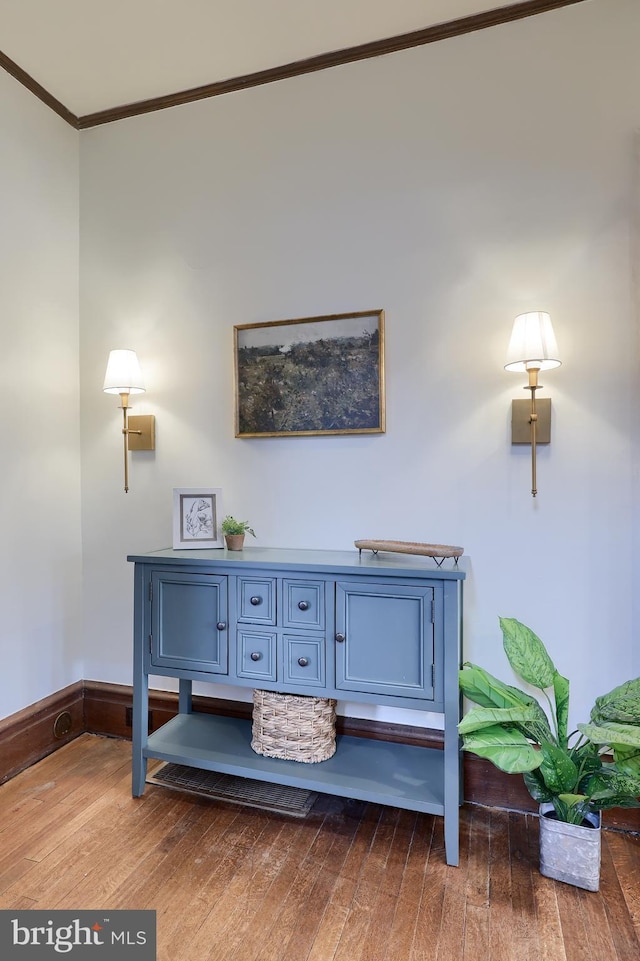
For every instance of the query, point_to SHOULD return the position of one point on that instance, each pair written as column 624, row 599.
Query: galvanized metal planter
column 570, row 852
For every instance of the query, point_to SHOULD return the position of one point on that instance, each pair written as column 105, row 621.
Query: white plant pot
column 570, row 852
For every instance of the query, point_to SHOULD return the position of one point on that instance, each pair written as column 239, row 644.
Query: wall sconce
column 124, row 377
column 532, row 348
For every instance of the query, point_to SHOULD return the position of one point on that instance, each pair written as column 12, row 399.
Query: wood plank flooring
column 351, row 882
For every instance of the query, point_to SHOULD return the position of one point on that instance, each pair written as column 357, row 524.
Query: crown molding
column 365, row 51
column 38, row 90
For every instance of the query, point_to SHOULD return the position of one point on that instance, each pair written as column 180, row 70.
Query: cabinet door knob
column 255, row 655
column 339, row 638
column 255, row 601
column 303, row 661
column 303, row 605
column 221, row 625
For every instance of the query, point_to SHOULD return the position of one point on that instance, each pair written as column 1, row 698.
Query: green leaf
column 573, row 799
column 574, row 806
column 538, row 730
column 590, row 769
column 610, row 732
column 620, row 704
column 507, row 748
column 487, row 691
column 602, row 802
column 627, row 759
column 534, row 783
column 481, row 717
column 558, row 770
column 561, row 694
column 587, row 753
column 527, row 654
column 611, row 782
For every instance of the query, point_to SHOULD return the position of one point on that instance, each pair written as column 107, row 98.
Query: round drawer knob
column 255, row 655
column 221, row 625
column 303, row 661
column 255, row 601
column 339, row 638
column 303, row 605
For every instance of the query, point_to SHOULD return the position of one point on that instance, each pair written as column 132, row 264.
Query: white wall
column 454, row 186
column 40, row 640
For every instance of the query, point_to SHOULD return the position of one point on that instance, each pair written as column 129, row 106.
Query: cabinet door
column 384, row 639
column 189, row 621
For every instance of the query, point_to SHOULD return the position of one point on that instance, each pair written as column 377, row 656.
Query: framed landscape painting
column 315, row 375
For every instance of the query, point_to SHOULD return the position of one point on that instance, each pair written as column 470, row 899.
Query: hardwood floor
column 351, row 882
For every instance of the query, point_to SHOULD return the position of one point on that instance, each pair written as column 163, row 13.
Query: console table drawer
column 256, row 600
column 304, row 660
column 256, row 655
column 304, row 604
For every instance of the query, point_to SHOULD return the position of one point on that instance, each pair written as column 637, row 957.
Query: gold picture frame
column 310, row 376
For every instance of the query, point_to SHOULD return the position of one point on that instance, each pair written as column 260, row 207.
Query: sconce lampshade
column 533, row 343
column 123, row 373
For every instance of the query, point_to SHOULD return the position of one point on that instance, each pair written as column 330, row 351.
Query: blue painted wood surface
column 380, row 629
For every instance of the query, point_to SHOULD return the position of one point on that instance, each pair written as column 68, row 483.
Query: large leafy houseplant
column 588, row 770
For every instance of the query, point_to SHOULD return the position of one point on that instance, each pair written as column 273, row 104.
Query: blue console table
column 380, row 629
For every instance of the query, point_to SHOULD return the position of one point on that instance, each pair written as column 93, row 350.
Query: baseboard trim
column 40, row 729
column 97, row 707
column 108, row 711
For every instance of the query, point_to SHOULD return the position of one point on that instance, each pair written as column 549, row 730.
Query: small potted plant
column 573, row 776
column 234, row 532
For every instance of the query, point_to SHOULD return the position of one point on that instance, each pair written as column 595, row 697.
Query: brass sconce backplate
column 521, row 421
column 141, row 432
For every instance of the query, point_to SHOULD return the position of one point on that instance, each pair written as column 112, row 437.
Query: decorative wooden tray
column 411, row 547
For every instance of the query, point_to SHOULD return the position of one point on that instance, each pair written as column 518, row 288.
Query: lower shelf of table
column 399, row 775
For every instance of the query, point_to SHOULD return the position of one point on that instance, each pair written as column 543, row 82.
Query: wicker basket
column 293, row 727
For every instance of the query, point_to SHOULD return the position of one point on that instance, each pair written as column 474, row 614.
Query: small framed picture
column 197, row 517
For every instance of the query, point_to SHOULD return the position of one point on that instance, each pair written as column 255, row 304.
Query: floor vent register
column 277, row 798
